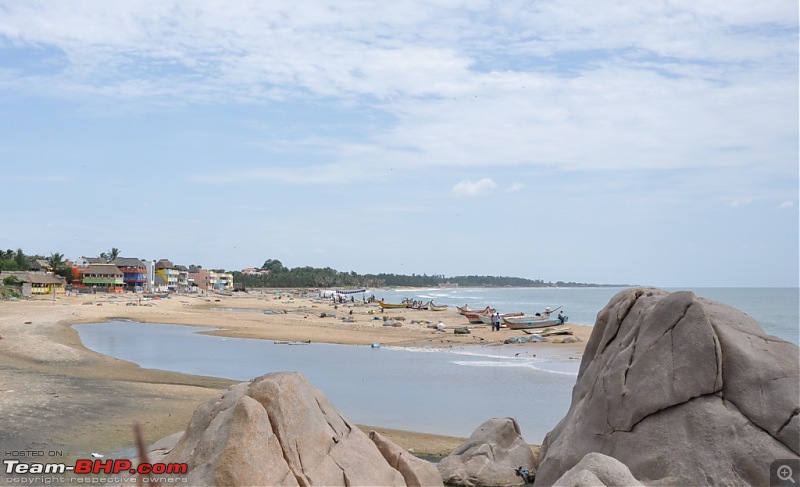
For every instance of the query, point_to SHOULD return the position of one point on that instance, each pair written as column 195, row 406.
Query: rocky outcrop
column 278, row 430
column 490, row 457
column 598, row 470
column 683, row 391
column 415, row 471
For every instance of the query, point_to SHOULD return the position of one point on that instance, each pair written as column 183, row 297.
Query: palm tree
column 56, row 261
column 111, row 255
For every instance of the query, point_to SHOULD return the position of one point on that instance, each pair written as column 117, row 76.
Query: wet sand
column 58, row 395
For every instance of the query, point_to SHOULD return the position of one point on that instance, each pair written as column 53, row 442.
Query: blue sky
column 638, row 142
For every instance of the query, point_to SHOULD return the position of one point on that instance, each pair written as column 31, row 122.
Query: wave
column 526, row 364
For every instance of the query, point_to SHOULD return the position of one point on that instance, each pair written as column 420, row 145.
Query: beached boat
column 487, row 319
column 533, row 321
column 466, row 309
column 393, row 305
column 477, row 316
column 437, row 307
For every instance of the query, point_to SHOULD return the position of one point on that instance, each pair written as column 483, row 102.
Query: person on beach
column 496, row 321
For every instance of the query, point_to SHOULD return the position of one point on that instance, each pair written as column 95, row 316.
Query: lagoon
column 449, row 392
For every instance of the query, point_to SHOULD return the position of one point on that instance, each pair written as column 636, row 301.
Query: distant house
column 183, row 278
column 40, row 265
column 199, row 279
column 37, row 283
column 166, row 277
column 103, row 277
column 253, row 271
column 134, row 273
column 84, row 262
column 220, row 281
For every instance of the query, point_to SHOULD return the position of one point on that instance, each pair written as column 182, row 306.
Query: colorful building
column 103, row 277
column 166, row 278
column 134, row 273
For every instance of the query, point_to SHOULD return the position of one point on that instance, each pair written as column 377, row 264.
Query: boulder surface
column 278, row 430
column 683, row 391
column 598, row 470
column 490, row 457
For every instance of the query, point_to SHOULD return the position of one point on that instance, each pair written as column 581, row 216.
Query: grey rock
column 596, row 469
column 489, row 457
column 278, row 430
column 415, row 471
column 682, row 390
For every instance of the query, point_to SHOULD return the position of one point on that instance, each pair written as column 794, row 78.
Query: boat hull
column 526, row 322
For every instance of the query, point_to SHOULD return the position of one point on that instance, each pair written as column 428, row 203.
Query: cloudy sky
column 614, row 142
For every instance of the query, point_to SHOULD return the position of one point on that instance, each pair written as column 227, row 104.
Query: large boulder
column 682, row 390
column 598, row 470
column 278, row 430
column 490, row 457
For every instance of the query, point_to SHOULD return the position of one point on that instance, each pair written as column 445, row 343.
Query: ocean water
column 443, row 391
column 776, row 309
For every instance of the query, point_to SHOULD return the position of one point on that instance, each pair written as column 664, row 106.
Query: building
column 183, row 278
column 103, row 277
column 199, row 279
column 37, row 283
column 205, row 280
column 220, row 281
column 166, row 276
column 134, row 273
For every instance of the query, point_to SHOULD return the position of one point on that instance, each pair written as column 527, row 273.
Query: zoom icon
column 784, row 473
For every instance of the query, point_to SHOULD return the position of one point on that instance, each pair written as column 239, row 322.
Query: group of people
column 496, row 321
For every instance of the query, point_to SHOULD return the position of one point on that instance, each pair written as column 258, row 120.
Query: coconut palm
column 111, row 255
column 56, row 261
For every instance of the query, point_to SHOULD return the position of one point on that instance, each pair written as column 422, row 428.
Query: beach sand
column 56, row 395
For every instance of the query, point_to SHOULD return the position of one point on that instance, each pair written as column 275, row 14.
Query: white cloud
column 741, row 202
column 515, row 187
column 474, row 188
column 786, row 204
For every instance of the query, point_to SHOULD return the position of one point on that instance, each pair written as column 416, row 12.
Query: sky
column 651, row 143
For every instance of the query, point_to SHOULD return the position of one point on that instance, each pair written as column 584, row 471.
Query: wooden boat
column 487, row 319
column 437, row 307
column 532, row 321
column 477, row 316
column 393, row 305
column 466, row 309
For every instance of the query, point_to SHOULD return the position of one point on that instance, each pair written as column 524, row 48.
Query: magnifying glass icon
column 785, row 473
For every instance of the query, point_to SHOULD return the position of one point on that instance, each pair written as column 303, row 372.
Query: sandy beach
column 58, row 395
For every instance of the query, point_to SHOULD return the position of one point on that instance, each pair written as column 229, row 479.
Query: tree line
column 278, row 276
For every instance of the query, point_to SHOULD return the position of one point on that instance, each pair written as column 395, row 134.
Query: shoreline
column 58, row 394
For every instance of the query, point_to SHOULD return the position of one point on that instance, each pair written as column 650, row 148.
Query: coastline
column 60, row 395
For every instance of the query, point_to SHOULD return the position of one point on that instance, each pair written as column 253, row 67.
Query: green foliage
column 11, row 281
column 281, row 277
column 14, row 261
column 7, row 292
column 110, row 255
column 273, row 265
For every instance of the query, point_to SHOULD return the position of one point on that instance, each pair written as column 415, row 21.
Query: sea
column 448, row 391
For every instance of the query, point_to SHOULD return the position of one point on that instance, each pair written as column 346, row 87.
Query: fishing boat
column 466, row 309
column 533, row 321
column 394, row 305
column 487, row 319
column 437, row 307
column 476, row 317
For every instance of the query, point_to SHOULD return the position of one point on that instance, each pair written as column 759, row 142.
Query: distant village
column 122, row 274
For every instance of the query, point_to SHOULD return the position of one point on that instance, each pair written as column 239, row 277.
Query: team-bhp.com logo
column 95, row 466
